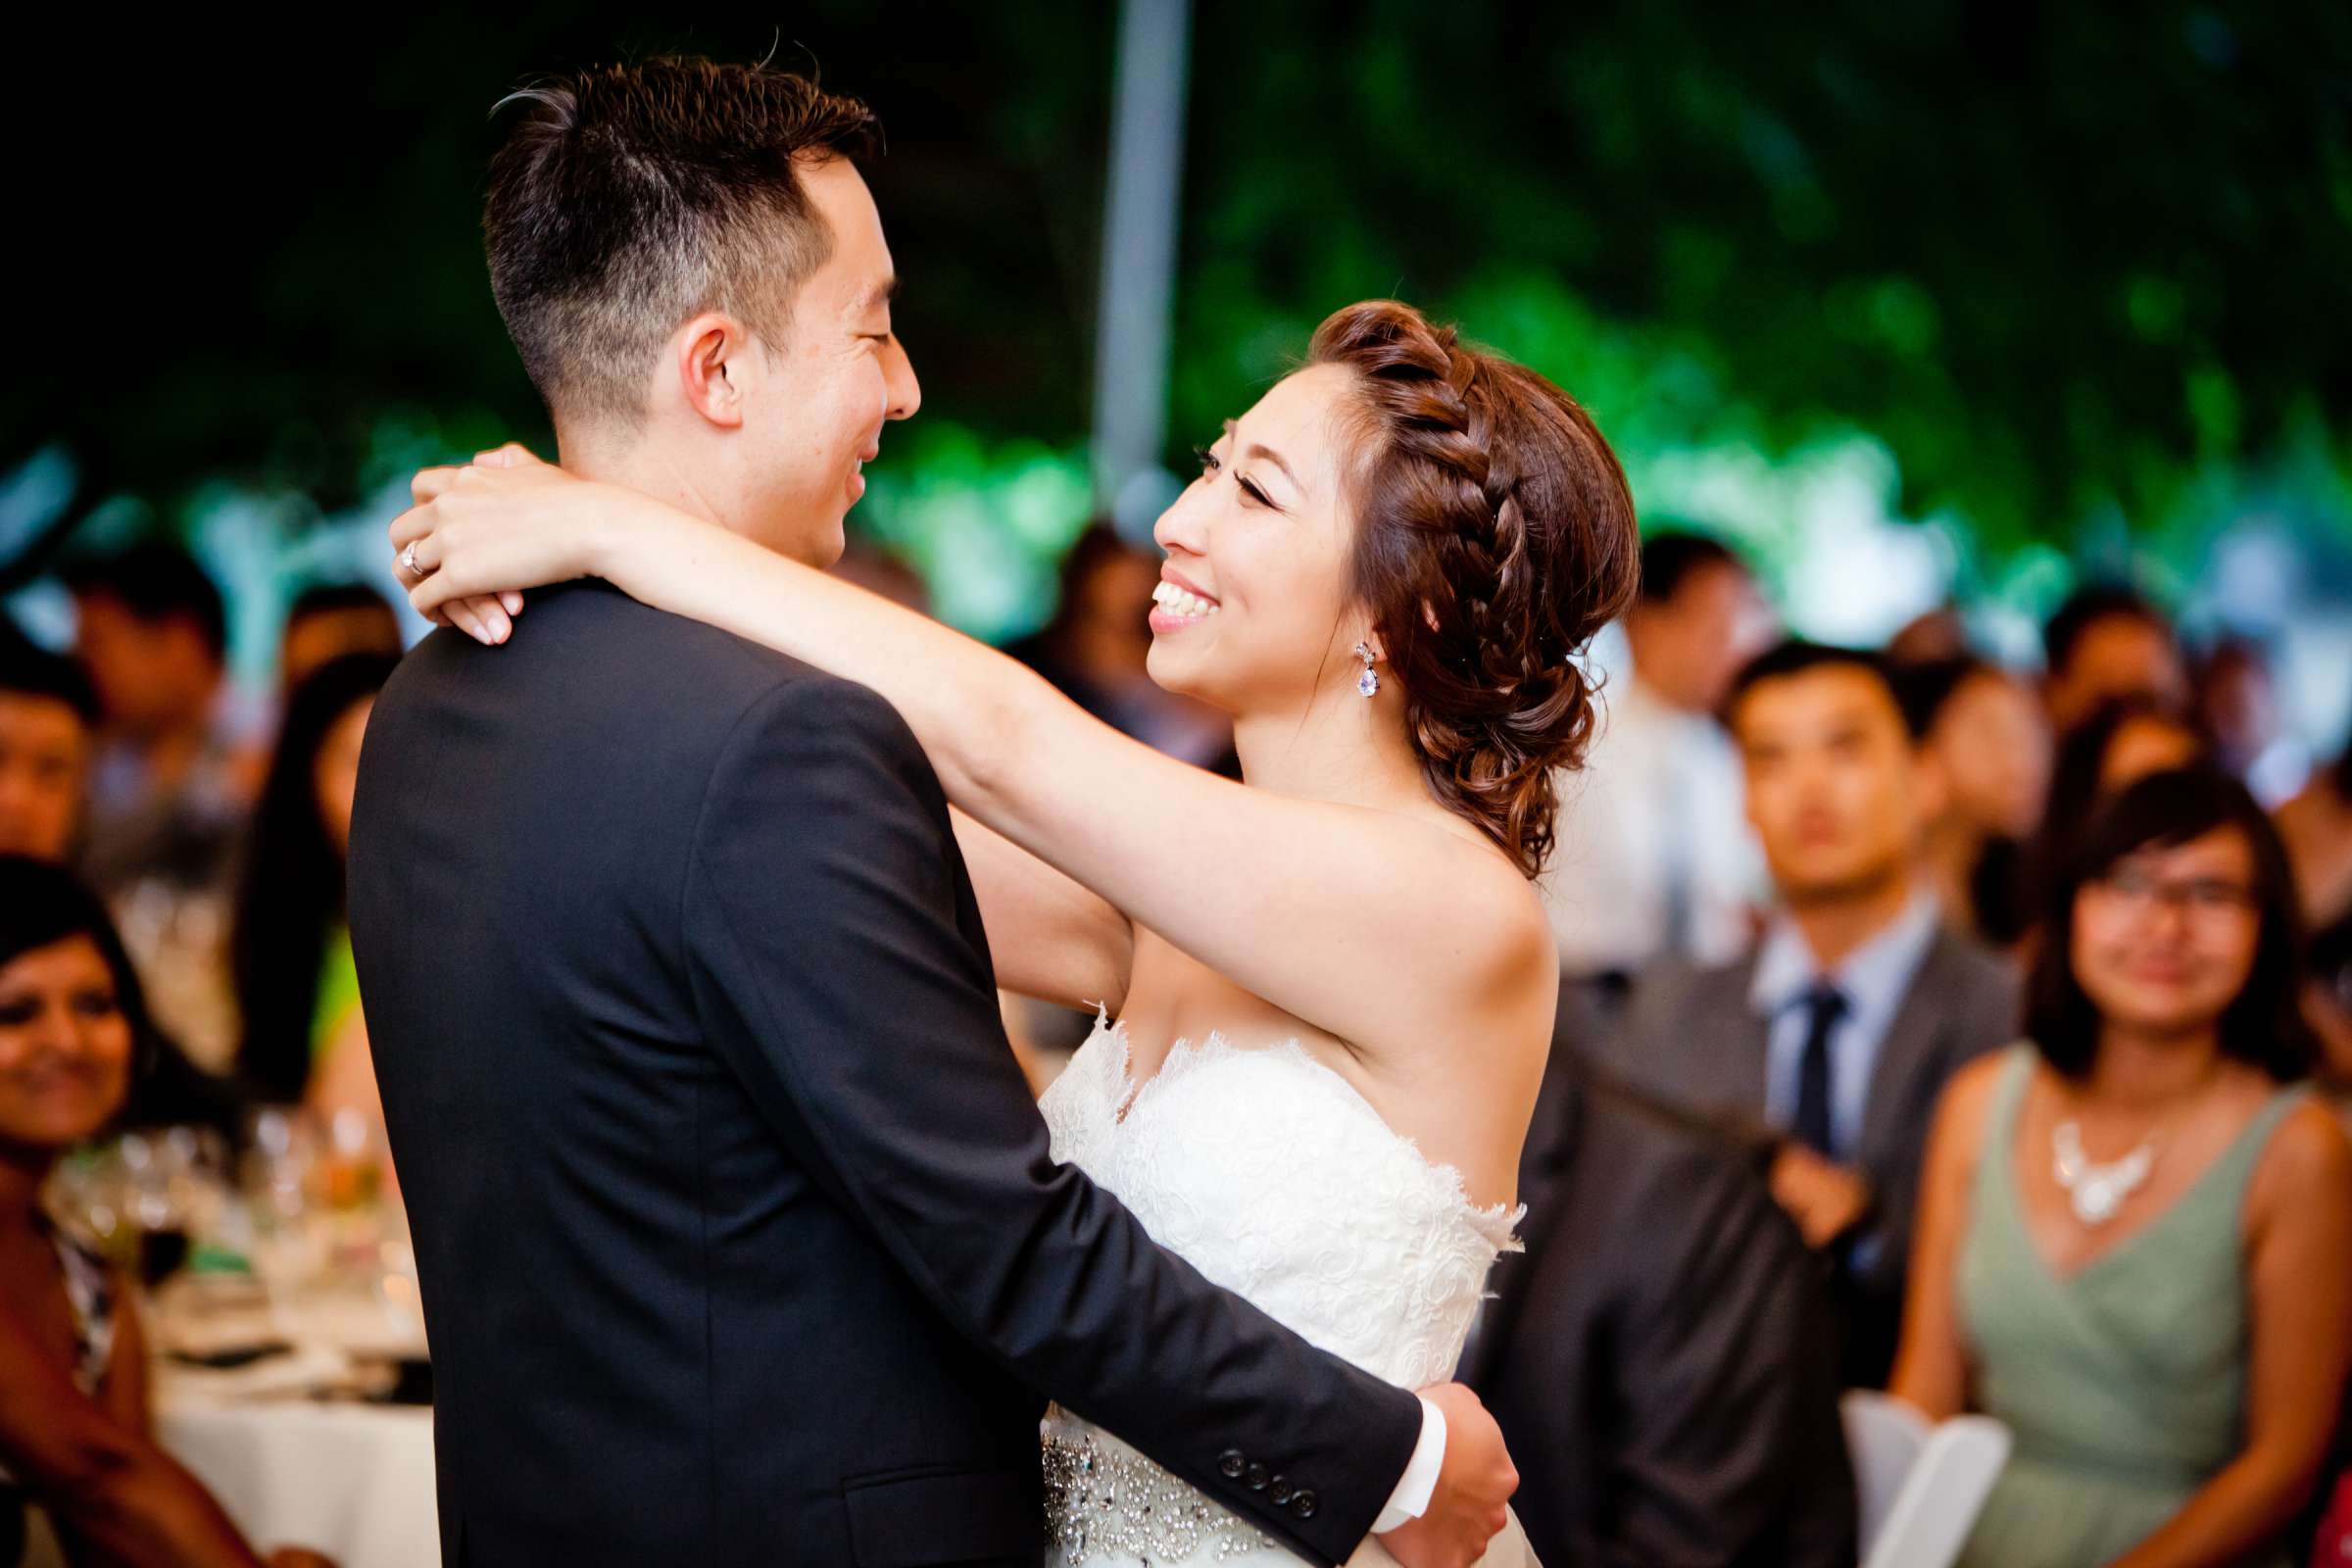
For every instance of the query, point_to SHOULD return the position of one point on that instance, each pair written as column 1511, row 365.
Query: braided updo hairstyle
column 1494, row 535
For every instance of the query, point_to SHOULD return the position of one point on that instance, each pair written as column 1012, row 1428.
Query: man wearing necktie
column 1827, row 1045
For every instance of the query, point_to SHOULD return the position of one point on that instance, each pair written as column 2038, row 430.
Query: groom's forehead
column 858, row 277
column 847, row 293
column 840, row 197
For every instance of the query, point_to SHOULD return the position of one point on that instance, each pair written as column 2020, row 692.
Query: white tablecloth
column 355, row 1482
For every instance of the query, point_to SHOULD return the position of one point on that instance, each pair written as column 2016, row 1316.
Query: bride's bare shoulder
column 1487, row 939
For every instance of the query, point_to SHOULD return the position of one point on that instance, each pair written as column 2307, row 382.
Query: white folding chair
column 1919, row 1486
column 1883, row 1437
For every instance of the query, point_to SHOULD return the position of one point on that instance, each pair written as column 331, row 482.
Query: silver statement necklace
column 2095, row 1191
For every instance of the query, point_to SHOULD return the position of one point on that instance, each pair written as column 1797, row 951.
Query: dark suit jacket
column 738, row 1234
column 1661, row 1358
column 1692, row 1039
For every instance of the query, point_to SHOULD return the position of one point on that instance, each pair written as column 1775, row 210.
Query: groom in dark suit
column 1827, row 1045
column 738, row 1234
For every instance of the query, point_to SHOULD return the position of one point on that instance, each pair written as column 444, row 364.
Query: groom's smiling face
column 814, row 404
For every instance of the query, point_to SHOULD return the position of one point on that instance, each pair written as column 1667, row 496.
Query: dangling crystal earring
column 1367, row 684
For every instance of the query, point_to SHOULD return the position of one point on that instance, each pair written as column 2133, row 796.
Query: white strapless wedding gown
column 1270, row 1174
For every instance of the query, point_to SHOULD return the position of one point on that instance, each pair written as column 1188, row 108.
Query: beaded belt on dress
column 1105, row 1500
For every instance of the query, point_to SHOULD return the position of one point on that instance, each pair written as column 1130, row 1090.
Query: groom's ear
column 708, row 353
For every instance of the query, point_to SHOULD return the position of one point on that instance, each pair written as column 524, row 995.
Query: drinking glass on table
column 351, row 1164
column 141, row 1198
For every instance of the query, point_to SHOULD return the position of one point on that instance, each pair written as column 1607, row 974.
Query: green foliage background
column 2083, row 273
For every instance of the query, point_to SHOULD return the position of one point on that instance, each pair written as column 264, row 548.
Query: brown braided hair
column 1494, row 536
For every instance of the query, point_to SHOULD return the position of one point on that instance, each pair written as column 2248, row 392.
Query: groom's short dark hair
column 630, row 197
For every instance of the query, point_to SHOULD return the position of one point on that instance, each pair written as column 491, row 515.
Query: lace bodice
column 1270, row 1174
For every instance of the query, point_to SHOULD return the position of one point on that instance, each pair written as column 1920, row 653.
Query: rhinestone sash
column 1104, row 1500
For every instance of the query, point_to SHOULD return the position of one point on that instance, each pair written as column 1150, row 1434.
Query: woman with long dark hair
column 2317, row 825
column 2135, row 1235
column 74, row 1451
column 304, row 1037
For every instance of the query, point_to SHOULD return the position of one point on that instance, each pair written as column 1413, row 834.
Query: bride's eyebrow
column 1259, row 450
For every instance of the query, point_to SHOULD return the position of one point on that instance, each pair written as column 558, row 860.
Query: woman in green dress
column 2135, row 1233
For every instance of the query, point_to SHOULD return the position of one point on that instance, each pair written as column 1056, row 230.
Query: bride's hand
column 1470, row 1503
column 479, row 534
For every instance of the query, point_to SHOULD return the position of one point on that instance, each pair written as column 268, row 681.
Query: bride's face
column 1253, row 612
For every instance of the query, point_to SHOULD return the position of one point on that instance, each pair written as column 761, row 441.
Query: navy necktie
column 1824, row 1007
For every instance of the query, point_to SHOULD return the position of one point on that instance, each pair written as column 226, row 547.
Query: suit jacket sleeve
column 1726, row 1342
column 834, row 975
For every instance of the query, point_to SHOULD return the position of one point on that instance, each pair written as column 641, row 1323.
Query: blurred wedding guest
column 2119, row 744
column 877, row 570
column 1932, row 637
column 2317, row 830
column 2317, row 825
column 175, row 762
column 1652, row 856
column 1987, row 737
column 305, row 1038
column 81, row 1479
column 2237, row 704
column 2135, row 1246
column 2106, row 643
column 2330, row 1005
column 1095, row 647
column 333, row 619
column 1093, row 651
column 48, row 721
column 48, row 727
column 1827, row 1043
column 1661, row 1359
column 174, row 777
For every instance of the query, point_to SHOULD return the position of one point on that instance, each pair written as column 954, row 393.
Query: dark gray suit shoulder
column 1972, row 961
column 1638, row 1164
column 1676, row 986
column 1978, row 986
column 1675, row 1017
column 588, row 647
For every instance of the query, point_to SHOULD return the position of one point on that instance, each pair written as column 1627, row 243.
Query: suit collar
column 1874, row 978
column 1912, row 1034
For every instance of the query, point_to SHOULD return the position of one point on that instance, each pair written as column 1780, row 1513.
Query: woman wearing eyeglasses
column 2135, row 1237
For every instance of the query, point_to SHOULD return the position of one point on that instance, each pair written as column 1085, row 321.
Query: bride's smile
column 1178, row 605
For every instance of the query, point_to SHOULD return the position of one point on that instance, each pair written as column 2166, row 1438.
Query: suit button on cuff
column 1230, row 1464
column 1279, row 1488
column 1303, row 1505
column 1258, row 1477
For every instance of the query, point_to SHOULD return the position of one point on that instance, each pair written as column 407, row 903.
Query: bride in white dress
column 1334, row 983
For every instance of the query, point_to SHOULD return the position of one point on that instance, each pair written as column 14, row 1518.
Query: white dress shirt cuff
column 1410, row 1499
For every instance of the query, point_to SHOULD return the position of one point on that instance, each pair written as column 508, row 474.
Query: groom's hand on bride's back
column 1469, row 1505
